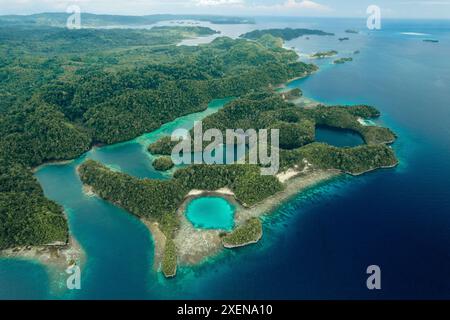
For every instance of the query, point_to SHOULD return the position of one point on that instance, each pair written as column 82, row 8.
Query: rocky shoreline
column 57, row 255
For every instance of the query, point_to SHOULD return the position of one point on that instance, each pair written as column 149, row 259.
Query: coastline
column 58, row 256
column 195, row 245
column 159, row 242
column 51, row 163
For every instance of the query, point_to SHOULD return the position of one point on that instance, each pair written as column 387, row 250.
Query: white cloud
column 303, row 5
column 214, row 3
column 306, row 4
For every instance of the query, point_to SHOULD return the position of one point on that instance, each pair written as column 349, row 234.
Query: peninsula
column 303, row 162
column 285, row 34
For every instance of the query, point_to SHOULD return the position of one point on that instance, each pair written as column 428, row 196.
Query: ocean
column 318, row 244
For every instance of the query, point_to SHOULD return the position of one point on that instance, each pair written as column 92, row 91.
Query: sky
column 439, row 9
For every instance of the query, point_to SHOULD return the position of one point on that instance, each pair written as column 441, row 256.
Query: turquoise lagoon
column 211, row 213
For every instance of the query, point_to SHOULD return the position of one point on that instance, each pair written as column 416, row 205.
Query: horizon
column 391, row 9
column 221, row 15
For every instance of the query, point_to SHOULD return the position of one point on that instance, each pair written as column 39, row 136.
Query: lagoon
column 338, row 137
column 211, row 213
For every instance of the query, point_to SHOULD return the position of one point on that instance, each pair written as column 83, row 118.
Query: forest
column 285, row 34
column 268, row 109
column 63, row 91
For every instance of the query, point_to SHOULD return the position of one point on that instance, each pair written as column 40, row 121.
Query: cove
column 110, row 236
column 338, row 137
column 211, row 213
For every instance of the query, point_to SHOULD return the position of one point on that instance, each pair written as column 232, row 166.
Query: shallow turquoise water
column 211, row 213
column 118, row 246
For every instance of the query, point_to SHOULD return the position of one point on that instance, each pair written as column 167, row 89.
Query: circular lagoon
column 211, row 213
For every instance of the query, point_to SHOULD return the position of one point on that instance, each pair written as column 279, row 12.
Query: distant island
column 285, row 34
column 344, row 39
column 325, row 54
column 431, row 40
column 342, row 60
column 101, row 20
column 351, row 31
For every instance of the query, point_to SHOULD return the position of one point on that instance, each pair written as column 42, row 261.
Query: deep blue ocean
column 318, row 244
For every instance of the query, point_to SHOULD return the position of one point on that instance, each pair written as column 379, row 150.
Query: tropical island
column 342, row 60
column 64, row 92
column 285, row 34
column 324, row 54
column 431, row 40
column 163, row 163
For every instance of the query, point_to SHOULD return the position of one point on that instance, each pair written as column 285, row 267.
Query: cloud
column 306, row 4
column 291, row 5
column 215, row 3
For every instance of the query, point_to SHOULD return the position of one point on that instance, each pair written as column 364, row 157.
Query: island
column 344, row 39
column 163, row 163
column 285, row 34
column 342, row 60
column 431, row 40
column 249, row 233
column 324, row 54
column 351, row 31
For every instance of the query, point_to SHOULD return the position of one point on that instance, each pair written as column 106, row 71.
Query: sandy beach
column 159, row 242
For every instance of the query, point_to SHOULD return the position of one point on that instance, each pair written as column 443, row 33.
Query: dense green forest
column 26, row 216
column 285, row 34
column 155, row 199
column 163, row 163
column 249, row 232
column 266, row 109
column 62, row 91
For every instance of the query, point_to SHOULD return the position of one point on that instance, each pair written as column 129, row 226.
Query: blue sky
column 340, row 8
